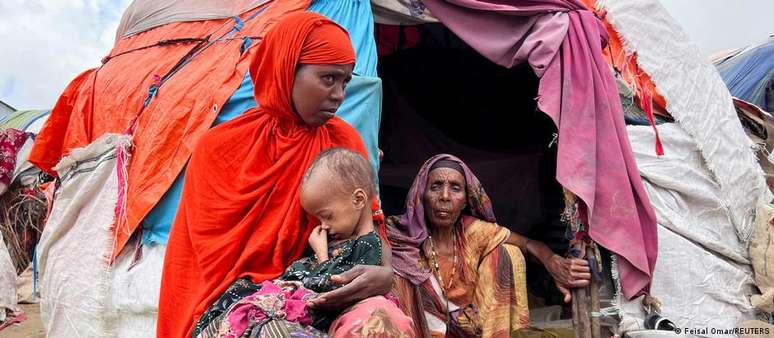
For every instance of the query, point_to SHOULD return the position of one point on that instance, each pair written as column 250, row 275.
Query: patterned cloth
column 11, row 140
column 246, row 307
column 365, row 250
column 243, row 287
column 277, row 300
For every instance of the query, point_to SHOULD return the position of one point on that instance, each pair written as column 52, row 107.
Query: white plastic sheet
column 142, row 15
column 703, row 275
column 74, row 247
column 7, row 281
column 401, row 12
column 81, row 294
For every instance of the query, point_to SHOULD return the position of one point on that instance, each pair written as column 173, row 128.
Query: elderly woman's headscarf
column 408, row 231
column 240, row 214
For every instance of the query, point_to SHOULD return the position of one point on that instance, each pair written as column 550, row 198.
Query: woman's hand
column 568, row 273
column 359, row 283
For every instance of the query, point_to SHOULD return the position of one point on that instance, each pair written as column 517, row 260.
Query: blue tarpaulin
column 749, row 74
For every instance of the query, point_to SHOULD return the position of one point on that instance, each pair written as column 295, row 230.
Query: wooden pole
column 581, row 308
column 575, row 313
column 596, row 332
column 583, row 312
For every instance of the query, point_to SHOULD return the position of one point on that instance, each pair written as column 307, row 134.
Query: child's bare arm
column 318, row 240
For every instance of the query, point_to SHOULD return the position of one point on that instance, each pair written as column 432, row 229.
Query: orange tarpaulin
column 640, row 82
column 644, row 90
column 107, row 99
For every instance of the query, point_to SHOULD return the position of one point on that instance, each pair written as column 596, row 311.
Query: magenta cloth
column 275, row 301
column 408, row 234
column 563, row 41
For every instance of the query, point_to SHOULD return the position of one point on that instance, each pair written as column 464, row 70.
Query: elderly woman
column 458, row 273
column 240, row 217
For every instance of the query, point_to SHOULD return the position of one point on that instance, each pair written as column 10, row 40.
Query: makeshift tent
column 719, row 184
column 449, row 86
column 749, row 73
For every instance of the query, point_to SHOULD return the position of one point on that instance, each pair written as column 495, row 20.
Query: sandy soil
column 30, row 328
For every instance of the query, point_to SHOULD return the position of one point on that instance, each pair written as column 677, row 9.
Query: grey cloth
column 143, row 15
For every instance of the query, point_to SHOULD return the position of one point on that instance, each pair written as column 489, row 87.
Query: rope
column 157, row 44
column 606, row 312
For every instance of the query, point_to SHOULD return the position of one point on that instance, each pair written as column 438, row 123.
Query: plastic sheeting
column 356, row 17
column 401, row 12
column 81, row 295
column 362, row 109
column 23, row 119
column 142, row 15
column 156, row 226
column 749, row 74
column 135, row 292
column 7, row 281
column 73, row 252
column 703, row 275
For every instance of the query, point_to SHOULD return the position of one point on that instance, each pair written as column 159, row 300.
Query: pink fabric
column 286, row 301
column 13, row 318
column 11, row 140
column 563, row 43
column 375, row 317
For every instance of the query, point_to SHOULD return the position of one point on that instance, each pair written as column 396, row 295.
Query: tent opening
column 441, row 96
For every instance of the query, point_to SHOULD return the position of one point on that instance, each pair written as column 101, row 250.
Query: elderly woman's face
column 444, row 197
column 318, row 91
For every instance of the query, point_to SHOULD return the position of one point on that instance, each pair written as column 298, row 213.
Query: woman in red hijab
column 240, row 214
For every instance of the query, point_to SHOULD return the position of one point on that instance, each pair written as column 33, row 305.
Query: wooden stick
column 583, row 312
column 596, row 332
column 575, row 313
column 580, row 309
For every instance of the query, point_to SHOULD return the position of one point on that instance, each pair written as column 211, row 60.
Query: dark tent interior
column 441, row 96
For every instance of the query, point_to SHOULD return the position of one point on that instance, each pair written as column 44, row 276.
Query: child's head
column 337, row 189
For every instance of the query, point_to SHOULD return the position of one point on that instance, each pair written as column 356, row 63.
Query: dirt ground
column 30, row 328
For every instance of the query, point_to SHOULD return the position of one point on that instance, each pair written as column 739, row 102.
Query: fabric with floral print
column 11, row 140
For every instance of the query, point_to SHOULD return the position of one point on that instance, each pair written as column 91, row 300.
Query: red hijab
column 240, row 214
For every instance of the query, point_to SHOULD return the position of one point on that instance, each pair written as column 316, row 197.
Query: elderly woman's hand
column 359, row 283
column 569, row 273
